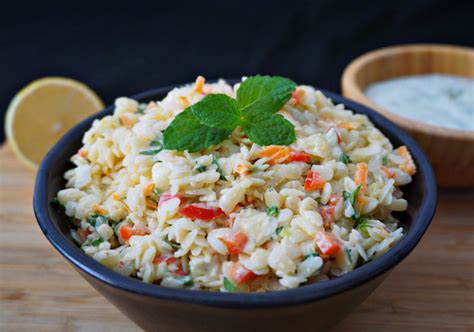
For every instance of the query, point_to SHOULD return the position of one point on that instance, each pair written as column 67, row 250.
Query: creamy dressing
column 441, row 100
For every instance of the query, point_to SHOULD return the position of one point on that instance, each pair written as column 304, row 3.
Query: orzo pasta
column 236, row 216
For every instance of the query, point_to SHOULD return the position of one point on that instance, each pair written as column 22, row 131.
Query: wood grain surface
column 432, row 290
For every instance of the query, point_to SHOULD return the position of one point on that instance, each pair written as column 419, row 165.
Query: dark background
column 124, row 48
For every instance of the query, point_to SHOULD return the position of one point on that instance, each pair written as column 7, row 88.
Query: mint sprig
column 214, row 118
column 187, row 133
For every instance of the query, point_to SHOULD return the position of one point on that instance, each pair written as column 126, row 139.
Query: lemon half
column 43, row 111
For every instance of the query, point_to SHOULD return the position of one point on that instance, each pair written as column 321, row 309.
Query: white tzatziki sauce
column 441, row 100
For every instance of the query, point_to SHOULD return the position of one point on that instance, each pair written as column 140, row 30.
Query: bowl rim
column 300, row 295
column 349, row 84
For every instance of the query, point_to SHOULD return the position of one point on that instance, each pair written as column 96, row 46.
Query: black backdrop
column 124, row 48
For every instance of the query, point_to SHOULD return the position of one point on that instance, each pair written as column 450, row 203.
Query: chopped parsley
column 201, row 168
column 156, row 143
column 313, row 254
column 351, row 197
column 253, row 169
column 362, row 225
column 360, row 221
column 97, row 219
column 344, row 158
column 185, row 280
column 151, row 152
column 97, row 241
column 346, row 195
column 116, row 228
column 171, row 244
column 141, row 109
column 278, row 230
column 229, row 286
column 156, row 191
column 348, row 254
column 273, row 211
column 385, row 160
column 215, row 161
column 55, row 203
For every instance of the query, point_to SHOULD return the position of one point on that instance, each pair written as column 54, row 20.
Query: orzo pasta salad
column 255, row 187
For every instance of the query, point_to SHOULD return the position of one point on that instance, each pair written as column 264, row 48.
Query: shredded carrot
column 148, row 189
column 126, row 121
column 408, row 164
column 242, row 169
column 151, row 105
column 361, row 179
column 184, row 101
column 99, row 209
column 82, row 152
column 83, row 232
column 106, row 170
column 276, row 154
column 388, row 172
column 117, row 197
column 347, row 125
column 199, row 85
column 361, row 176
column 297, row 95
column 151, row 204
column 250, row 199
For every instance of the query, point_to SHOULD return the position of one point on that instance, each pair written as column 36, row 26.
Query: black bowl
column 308, row 308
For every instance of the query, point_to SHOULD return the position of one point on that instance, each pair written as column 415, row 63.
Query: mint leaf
column 264, row 93
column 269, row 129
column 217, row 111
column 187, row 133
column 212, row 120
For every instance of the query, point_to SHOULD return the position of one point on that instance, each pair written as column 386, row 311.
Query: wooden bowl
column 450, row 151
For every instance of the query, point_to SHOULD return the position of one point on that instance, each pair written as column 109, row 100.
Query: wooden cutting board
column 432, row 290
